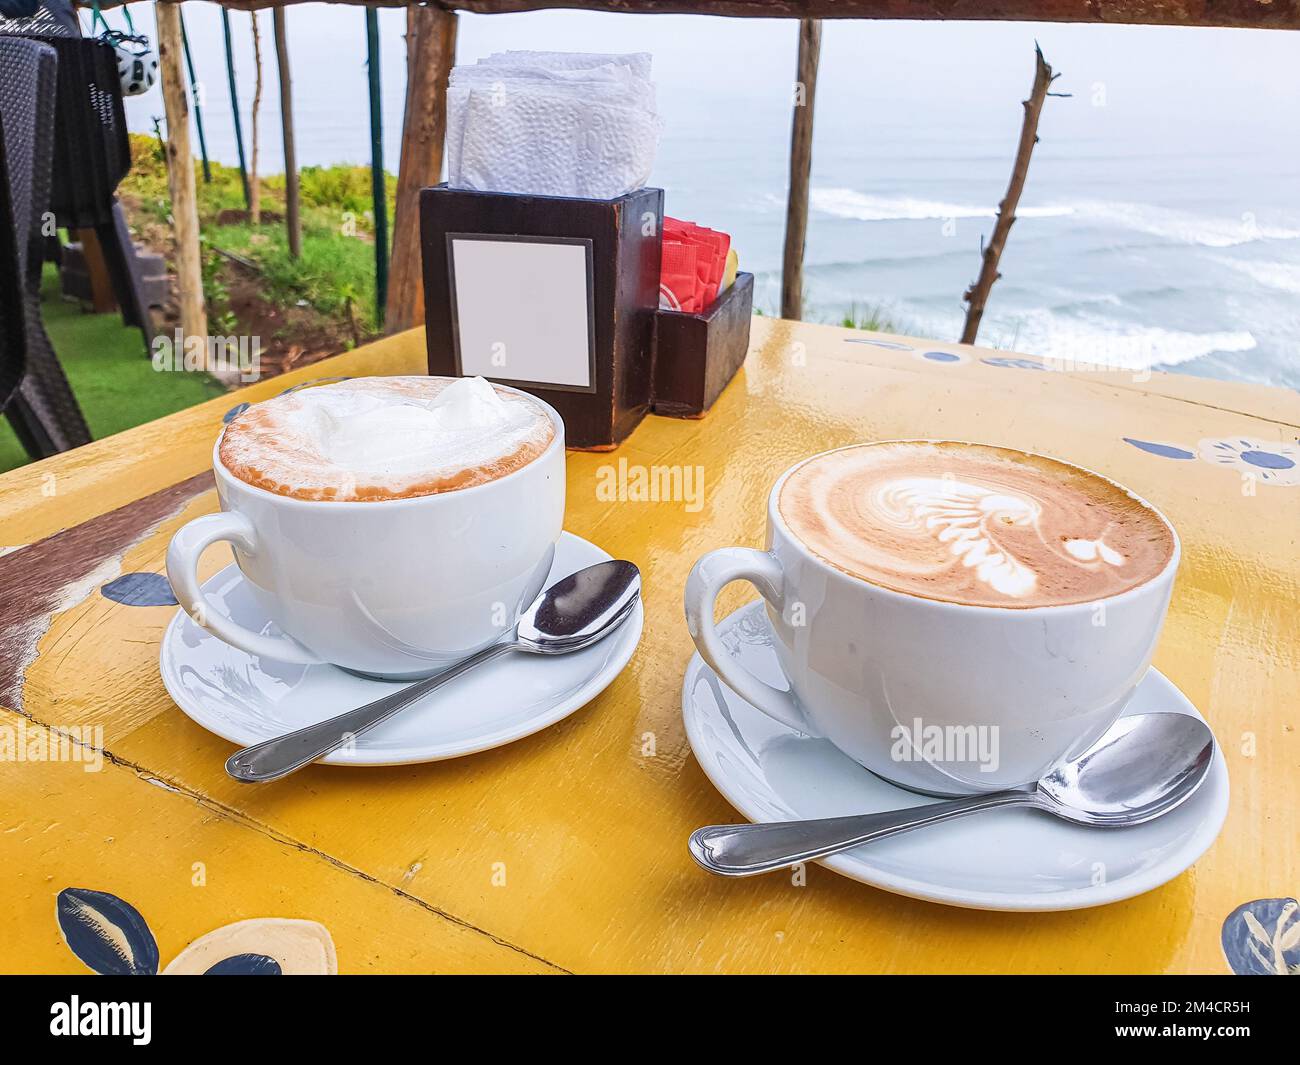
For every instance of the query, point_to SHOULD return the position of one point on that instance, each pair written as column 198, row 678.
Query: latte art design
column 971, row 520
column 971, row 524
column 1088, row 550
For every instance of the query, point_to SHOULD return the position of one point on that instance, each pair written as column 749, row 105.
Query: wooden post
column 977, row 295
column 180, row 173
column 254, row 184
column 291, row 216
column 378, row 193
column 801, row 134
column 430, row 55
column 103, row 300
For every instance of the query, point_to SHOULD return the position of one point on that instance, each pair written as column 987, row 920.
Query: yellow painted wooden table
column 566, row 851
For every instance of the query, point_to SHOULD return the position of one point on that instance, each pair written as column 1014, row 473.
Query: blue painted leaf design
column 140, row 589
column 234, row 412
column 1262, row 938
column 1165, row 451
column 893, row 345
column 245, row 965
column 109, row 935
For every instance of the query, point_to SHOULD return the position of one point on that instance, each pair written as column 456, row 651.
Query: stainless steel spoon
column 571, row 614
column 1142, row 767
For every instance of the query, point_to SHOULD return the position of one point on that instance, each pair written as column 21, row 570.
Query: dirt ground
column 291, row 337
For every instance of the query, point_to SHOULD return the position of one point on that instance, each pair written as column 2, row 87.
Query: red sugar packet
column 707, row 262
column 679, row 282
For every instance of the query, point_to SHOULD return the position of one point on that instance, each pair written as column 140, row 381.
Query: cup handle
column 182, row 571
column 708, row 577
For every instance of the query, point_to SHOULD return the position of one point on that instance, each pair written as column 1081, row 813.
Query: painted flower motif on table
column 1267, row 461
column 1262, row 938
column 112, row 939
column 1271, row 463
column 941, row 357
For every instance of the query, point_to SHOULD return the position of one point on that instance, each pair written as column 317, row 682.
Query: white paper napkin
column 553, row 124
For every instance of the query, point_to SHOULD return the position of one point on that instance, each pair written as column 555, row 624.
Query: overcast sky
column 1234, row 88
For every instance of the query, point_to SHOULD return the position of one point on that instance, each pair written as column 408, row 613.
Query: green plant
column 872, row 319
column 221, row 318
column 335, row 273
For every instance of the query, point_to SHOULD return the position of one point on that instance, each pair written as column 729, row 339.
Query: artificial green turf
column 110, row 370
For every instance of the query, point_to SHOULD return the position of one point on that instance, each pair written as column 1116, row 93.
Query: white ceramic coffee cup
column 939, row 697
column 396, row 588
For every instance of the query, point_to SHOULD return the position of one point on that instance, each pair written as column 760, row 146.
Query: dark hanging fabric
column 91, row 151
column 52, row 18
column 19, row 8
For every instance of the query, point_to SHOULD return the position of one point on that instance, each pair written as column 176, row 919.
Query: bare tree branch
column 255, row 189
column 977, row 295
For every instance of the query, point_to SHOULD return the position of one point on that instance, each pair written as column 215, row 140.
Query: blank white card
column 522, row 310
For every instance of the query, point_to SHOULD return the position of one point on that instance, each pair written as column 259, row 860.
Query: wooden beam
column 292, row 217
column 180, row 174
column 430, row 55
column 1251, row 14
column 801, row 134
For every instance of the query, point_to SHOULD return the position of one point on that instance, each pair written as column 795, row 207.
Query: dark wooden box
column 623, row 293
column 697, row 354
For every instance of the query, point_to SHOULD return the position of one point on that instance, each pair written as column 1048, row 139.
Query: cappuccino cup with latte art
column 955, row 617
column 389, row 525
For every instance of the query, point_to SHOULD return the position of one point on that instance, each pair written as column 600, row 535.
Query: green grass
column 111, row 373
column 331, row 271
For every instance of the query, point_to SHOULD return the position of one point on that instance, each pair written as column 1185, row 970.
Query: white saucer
column 246, row 699
column 1000, row 860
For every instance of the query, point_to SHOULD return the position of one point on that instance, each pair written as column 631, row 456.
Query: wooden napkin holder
column 696, row 355
column 488, row 254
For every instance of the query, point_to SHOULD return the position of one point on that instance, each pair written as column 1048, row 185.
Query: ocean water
column 1160, row 225
column 1192, row 280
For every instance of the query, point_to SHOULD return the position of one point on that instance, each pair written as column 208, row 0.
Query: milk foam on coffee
column 377, row 438
column 971, row 524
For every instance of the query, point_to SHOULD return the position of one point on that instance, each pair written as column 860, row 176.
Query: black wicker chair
column 13, row 318
column 42, row 408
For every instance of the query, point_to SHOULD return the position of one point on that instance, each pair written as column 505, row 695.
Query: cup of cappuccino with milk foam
column 389, row 525
column 955, row 617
